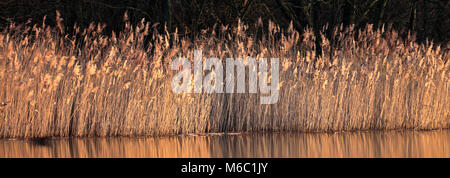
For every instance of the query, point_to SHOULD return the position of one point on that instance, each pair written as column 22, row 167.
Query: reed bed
column 55, row 84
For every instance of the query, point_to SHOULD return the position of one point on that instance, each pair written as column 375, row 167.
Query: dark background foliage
column 429, row 19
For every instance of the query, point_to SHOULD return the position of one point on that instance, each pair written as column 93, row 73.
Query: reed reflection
column 316, row 145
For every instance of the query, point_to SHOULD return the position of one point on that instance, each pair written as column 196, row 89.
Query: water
column 403, row 144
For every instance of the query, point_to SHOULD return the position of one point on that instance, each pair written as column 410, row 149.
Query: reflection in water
column 350, row 144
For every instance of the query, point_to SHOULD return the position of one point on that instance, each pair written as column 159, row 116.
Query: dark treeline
column 429, row 19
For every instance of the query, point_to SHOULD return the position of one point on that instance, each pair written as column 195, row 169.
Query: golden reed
column 54, row 84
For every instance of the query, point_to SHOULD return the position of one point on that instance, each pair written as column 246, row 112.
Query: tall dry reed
column 88, row 84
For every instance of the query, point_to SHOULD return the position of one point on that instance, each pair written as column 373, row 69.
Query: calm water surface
column 349, row 144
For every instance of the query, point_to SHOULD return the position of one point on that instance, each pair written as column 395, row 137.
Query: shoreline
column 221, row 134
